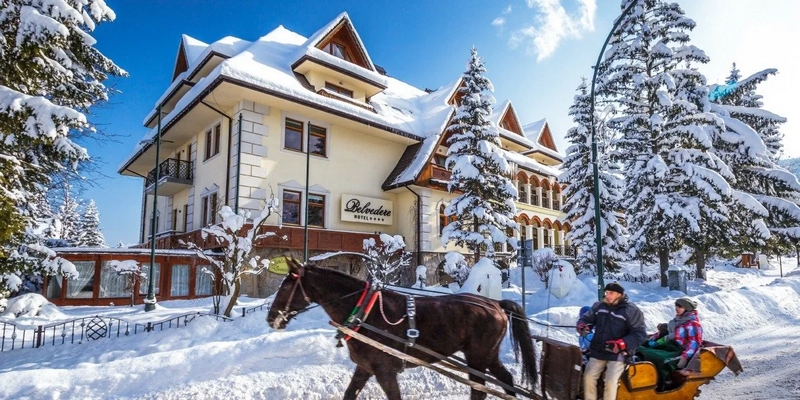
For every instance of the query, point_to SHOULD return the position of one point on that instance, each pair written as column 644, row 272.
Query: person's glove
column 616, row 346
column 651, row 343
column 654, row 343
column 583, row 329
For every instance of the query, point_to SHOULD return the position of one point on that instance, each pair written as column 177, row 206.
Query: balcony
column 173, row 176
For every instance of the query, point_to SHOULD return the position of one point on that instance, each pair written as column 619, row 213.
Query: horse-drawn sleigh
column 404, row 331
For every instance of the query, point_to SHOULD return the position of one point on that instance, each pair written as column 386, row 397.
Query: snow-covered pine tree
column 578, row 175
column 68, row 219
column 751, row 148
column 485, row 208
column 50, row 74
column 91, row 236
column 677, row 189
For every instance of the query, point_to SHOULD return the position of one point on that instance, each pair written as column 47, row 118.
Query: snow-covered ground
column 755, row 311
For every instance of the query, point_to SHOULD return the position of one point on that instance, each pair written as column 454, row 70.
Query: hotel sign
column 368, row 210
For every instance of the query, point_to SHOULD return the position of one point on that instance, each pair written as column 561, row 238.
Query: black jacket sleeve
column 637, row 332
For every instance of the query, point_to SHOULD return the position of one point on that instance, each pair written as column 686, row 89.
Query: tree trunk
column 700, row 262
column 663, row 261
column 237, row 286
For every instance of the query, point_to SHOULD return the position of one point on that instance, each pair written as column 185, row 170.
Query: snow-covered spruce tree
column 91, row 236
column 751, row 148
column 677, row 189
column 578, row 175
column 68, row 220
column 50, row 74
column 484, row 211
column 237, row 259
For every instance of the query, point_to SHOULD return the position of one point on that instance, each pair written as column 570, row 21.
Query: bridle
column 285, row 315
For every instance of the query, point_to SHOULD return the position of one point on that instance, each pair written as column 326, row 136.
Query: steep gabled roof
column 539, row 133
column 505, row 117
column 341, row 29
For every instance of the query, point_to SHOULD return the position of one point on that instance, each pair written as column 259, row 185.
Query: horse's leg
column 501, row 373
column 476, row 394
column 357, row 382
column 388, row 381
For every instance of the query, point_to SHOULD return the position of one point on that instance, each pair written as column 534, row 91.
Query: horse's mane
column 339, row 278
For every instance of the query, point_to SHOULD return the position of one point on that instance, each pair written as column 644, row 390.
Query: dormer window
column 338, row 89
column 337, row 50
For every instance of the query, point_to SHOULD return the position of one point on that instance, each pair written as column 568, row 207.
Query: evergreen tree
column 751, row 147
column 91, row 236
column 578, row 175
column 485, row 208
column 677, row 188
column 68, row 220
column 50, row 74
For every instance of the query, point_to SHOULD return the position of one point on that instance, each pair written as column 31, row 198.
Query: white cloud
column 507, row 10
column 553, row 24
column 499, row 21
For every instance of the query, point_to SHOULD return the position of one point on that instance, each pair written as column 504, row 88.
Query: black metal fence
column 18, row 336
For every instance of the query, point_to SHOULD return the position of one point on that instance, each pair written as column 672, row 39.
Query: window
column 440, row 160
column 317, row 139
column 444, row 220
column 203, row 281
column 54, row 286
column 209, row 209
column 293, row 135
column 337, row 50
column 212, row 141
column 83, row 286
column 338, row 89
column 174, row 219
column 180, row 281
column 185, row 217
column 522, row 195
column 316, row 210
column 145, row 280
column 112, row 283
column 291, row 207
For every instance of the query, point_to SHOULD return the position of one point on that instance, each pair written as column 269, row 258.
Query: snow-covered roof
column 267, row 64
column 534, row 132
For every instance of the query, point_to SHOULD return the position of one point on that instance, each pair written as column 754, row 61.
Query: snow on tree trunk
column 238, row 244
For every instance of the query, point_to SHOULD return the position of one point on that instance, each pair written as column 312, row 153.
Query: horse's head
column 290, row 298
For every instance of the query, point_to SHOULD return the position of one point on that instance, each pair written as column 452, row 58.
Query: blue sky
column 535, row 52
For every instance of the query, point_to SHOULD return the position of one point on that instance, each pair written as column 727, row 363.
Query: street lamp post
column 595, row 172
column 150, row 300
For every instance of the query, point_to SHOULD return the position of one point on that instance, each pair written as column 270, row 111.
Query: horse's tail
column 521, row 339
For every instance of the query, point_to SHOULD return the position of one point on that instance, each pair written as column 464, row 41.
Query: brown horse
column 471, row 324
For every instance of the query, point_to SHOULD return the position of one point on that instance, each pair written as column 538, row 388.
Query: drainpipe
column 230, row 136
column 419, row 226
column 238, row 163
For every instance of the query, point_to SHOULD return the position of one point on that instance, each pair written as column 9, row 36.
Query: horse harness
column 285, row 314
column 359, row 314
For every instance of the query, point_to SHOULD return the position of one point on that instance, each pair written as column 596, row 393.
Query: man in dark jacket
column 619, row 328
